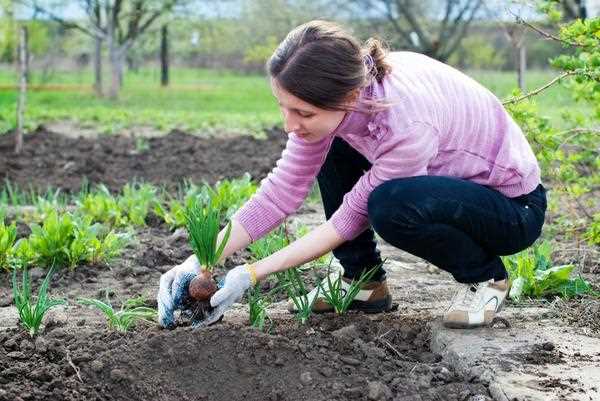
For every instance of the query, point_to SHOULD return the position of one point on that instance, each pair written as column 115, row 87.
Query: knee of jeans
column 378, row 203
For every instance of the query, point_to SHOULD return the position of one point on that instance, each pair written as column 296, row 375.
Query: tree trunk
column 98, row 66
column 117, row 62
column 164, row 57
column 22, row 89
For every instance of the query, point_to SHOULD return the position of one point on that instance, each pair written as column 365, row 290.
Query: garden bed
column 75, row 357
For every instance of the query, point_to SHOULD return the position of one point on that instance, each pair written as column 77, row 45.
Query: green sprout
column 123, row 319
column 258, row 303
column 203, row 225
column 31, row 314
column 339, row 297
column 296, row 290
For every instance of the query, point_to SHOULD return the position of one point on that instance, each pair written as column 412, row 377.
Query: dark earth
column 352, row 357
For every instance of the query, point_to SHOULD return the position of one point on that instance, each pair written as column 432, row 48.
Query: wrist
column 251, row 269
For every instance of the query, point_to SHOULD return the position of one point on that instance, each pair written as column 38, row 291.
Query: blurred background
column 198, row 65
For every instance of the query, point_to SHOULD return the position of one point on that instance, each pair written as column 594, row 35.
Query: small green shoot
column 292, row 281
column 124, row 319
column 257, row 303
column 339, row 297
column 31, row 314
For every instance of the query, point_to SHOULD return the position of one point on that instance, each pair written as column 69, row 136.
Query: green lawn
column 198, row 100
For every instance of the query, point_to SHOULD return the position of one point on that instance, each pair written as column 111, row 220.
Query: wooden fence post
column 23, row 50
column 164, row 56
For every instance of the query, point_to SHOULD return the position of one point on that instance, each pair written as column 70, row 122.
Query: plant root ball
column 203, row 286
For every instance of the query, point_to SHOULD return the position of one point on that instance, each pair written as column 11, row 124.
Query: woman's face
column 305, row 120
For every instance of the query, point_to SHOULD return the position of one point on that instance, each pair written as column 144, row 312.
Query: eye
column 305, row 115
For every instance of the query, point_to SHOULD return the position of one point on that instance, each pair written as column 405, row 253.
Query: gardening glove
column 173, row 290
column 237, row 281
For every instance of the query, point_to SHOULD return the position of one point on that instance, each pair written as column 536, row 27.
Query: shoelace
column 466, row 295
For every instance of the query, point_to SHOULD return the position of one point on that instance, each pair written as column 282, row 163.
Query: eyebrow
column 299, row 110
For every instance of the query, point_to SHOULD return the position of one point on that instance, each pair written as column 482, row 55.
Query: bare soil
column 59, row 161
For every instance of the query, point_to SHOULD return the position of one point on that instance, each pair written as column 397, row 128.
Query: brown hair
column 322, row 64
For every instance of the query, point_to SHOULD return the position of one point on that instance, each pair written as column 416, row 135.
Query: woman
column 401, row 145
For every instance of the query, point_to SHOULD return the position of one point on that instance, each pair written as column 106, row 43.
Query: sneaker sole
column 458, row 325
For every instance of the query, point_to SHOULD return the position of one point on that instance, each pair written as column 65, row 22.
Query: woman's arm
column 238, row 239
column 314, row 244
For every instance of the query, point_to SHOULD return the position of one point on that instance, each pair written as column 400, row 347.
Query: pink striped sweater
column 440, row 123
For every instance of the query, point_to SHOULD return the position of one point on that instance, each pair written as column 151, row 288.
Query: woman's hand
column 173, row 290
column 237, row 281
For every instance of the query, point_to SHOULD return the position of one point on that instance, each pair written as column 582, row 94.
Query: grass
column 198, row 100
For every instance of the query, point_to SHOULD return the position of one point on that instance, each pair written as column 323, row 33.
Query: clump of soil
column 336, row 358
column 59, row 161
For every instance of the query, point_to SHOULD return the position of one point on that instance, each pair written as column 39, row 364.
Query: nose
column 290, row 123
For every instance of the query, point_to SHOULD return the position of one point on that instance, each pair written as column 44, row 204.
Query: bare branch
column 406, row 11
column 542, row 33
column 54, row 17
column 540, row 89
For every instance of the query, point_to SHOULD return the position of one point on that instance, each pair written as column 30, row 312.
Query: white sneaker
column 476, row 305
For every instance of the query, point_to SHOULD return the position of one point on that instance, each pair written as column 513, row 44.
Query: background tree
column 433, row 27
column 116, row 23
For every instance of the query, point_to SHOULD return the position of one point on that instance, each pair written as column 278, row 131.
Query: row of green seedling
column 226, row 196
column 134, row 203
column 61, row 240
column 31, row 312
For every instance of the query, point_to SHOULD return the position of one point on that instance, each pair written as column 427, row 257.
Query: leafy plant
column 102, row 207
column 203, row 226
column 339, row 297
column 65, row 241
column 136, row 201
column 31, row 314
column 533, row 274
column 8, row 235
column 124, row 319
column 131, row 207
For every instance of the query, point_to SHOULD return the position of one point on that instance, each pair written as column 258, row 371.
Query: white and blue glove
column 173, row 290
column 237, row 281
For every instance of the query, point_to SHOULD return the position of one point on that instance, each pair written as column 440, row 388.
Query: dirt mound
column 340, row 358
column 60, row 161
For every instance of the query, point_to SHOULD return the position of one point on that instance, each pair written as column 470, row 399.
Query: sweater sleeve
column 404, row 154
column 284, row 189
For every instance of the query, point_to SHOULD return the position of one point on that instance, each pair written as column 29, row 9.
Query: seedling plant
column 125, row 318
column 203, row 222
column 292, row 281
column 341, row 298
column 31, row 314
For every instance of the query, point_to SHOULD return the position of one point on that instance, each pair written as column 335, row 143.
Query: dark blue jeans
column 456, row 225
